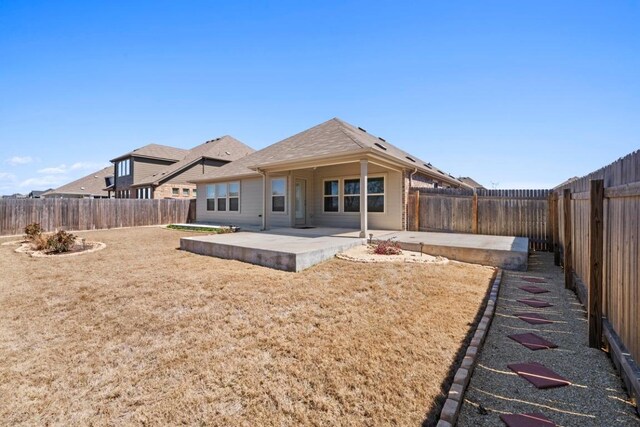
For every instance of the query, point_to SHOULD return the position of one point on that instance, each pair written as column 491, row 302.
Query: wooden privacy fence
column 521, row 213
column 91, row 214
column 599, row 247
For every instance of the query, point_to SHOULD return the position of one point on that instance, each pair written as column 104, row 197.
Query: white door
column 301, row 201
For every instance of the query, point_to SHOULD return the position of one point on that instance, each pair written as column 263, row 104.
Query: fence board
column 522, row 213
column 91, row 214
column 621, row 244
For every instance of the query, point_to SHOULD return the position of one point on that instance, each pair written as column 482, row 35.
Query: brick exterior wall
column 165, row 191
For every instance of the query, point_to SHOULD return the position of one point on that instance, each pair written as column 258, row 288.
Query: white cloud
column 78, row 166
column 44, row 181
column 19, row 160
column 87, row 166
column 6, row 177
column 55, row 170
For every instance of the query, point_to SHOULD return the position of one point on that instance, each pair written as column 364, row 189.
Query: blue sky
column 517, row 94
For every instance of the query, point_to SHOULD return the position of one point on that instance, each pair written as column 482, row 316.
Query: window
column 352, row 195
column 221, row 197
column 211, row 197
column 124, row 167
column 375, row 194
column 331, row 196
column 143, row 193
column 185, row 192
column 278, row 194
column 175, row 191
column 194, row 192
column 234, row 196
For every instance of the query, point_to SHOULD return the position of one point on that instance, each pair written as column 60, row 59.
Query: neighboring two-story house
column 159, row 171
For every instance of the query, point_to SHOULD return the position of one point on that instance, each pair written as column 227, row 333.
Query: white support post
column 363, row 198
column 266, row 199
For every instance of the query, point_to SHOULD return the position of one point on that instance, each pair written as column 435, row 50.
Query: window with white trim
column 278, row 194
column 211, row 197
column 351, row 198
column 143, row 193
column 331, row 202
column 223, row 196
column 351, row 195
column 185, row 192
column 175, row 191
column 234, row 196
column 124, row 167
column 375, row 194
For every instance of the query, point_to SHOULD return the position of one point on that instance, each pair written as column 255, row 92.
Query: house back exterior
column 318, row 177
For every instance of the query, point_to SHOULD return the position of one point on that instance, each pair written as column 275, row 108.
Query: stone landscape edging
column 453, row 404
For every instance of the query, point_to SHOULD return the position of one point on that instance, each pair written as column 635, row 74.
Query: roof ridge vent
column 377, row 144
column 410, row 159
column 382, row 139
column 427, row 165
column 363, row 130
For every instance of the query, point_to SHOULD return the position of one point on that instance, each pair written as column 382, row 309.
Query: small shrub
column 33, row 231
column 387, row 247
column 60, row 242
column 39, row 242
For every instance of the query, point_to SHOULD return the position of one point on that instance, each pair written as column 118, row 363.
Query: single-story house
column 318, row 177
column 87, row 187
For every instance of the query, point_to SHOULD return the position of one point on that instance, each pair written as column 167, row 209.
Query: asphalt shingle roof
column 156, row 151
column 90, row 185
column 332, row 137
column 225, row 148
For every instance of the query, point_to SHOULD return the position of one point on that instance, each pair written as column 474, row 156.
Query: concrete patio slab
column 295, row 249
column 509, row 253
column 283, row 249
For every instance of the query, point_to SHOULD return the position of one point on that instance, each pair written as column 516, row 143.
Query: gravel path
column 596, row 396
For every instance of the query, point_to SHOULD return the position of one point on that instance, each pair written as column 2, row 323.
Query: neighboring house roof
column 90, row 185
column 567, row 182
column 34, row 194
column 331, row 138
column 225, row 148
column 155, row 151
column 471, row 182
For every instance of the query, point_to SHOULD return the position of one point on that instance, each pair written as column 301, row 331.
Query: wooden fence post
column 556, row 229
column 595, row 262
column 568, row 262
column 551, row 219
column 474, row 213
column 416, row 212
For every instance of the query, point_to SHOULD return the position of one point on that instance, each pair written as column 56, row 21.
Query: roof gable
column 156, row 151
column 333, row 137
column 225, row 148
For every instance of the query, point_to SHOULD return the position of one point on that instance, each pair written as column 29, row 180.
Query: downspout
column 411, row 177
column 264, row 198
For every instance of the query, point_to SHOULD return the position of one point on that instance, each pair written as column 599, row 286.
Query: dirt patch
column 143, row 333
column 365, row 253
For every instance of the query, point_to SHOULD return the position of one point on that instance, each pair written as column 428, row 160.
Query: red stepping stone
column 533, row 341
column 534, row 289
column 535, row 302
column 532, row 419
column 538, row 375
column 533, row 318
column 534, row 279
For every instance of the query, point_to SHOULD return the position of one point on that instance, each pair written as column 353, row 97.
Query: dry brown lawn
column 142, row 333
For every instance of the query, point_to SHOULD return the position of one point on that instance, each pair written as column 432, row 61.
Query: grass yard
column 142, row 333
